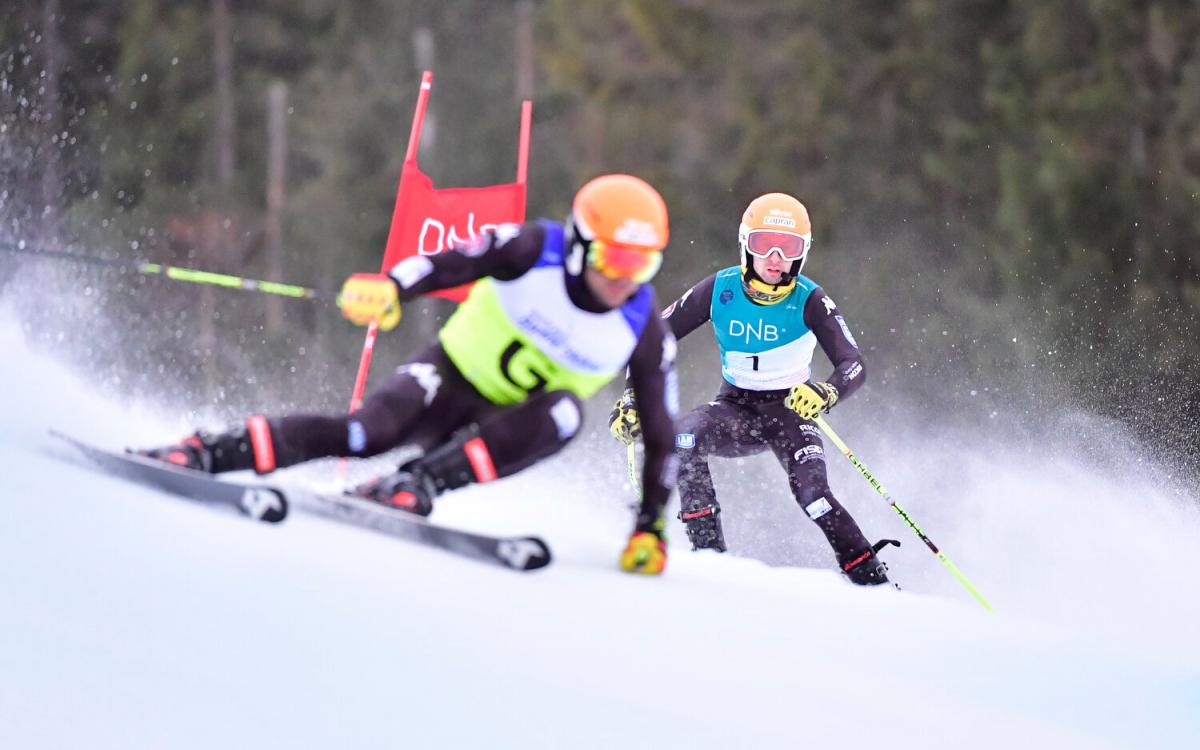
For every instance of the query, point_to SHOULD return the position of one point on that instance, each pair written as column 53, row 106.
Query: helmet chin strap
column 576, row 251
column 766, row 293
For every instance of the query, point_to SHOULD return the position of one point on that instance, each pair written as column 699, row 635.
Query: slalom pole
column 887, row 496
column 410, row 161
column 176, row 273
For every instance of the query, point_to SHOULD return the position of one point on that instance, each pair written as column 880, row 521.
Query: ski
column 515, row 552
column 272, row 503
column 260, row 502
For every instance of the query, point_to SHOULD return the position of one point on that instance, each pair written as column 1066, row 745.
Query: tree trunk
column 424, row 55
column 277, row 96
column 524, row 51
column 226, row 115
column 225, row 153
column 51, row 117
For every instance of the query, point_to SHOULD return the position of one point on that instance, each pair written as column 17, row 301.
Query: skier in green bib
column 558, row 310
column 768, row 320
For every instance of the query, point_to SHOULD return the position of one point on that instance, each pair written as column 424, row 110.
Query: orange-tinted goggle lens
column 764, row 242
column 622, row 262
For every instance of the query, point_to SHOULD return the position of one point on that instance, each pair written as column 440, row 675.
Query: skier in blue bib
column 768, row 320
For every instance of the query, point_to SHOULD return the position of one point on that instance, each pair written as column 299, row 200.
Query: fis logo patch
column 685, row 440
column 726, row 296
column 808, row 453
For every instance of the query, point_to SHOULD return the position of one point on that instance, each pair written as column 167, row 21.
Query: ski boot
column 867, row 569
column 704, row 527
column 233, row 450
column 189, row 453
column 646, row 552
column 409, row 488
column 415, row 484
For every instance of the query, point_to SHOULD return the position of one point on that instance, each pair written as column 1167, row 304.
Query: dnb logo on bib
column 685, row 440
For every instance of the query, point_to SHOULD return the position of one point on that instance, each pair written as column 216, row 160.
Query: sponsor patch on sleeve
column 846, row 330
column 356, row 437
column 505, row 233
column 685, row 440
column 476, row 246
column 566, row 418
column 817, row 508
column 671, row 393
column 411, row 270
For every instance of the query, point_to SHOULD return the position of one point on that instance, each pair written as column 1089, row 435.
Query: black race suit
column 741, row 422
column 429, row 403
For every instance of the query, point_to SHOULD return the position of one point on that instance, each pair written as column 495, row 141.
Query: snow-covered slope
column 132, row 620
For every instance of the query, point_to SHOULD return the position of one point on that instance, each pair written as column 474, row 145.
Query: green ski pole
column 176, row 273
column 193, row 276
column 631, row 465
column 896, row 507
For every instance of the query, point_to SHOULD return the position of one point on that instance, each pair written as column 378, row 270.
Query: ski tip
column 524, row 553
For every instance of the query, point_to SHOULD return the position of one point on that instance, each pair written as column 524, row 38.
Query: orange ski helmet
column 773, row 223
column 619, row 226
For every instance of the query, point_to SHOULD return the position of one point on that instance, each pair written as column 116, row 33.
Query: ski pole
column 887, row 496
column 631, row 464
column 176, row 273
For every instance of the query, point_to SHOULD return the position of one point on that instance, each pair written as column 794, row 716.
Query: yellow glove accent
column 646, row 553
column 810, row 399
column 370, row 298
column 623, row 422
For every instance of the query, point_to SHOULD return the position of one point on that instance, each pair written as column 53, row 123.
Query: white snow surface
column 130, row 619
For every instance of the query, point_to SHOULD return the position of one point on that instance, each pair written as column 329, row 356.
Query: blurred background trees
column 1004, row 192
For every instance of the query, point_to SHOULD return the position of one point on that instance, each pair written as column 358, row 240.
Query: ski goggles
column 623, row 262
column 762, row 242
